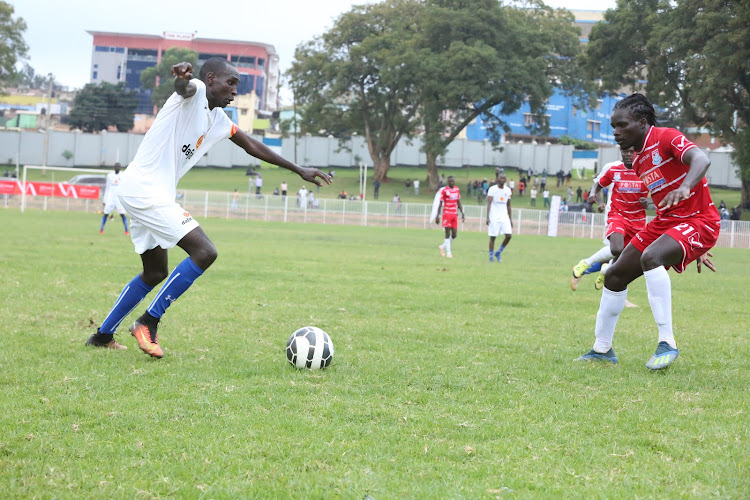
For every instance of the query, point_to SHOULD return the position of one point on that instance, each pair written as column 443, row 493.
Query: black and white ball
column 309, row 347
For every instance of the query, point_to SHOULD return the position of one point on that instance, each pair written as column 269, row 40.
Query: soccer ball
column 309, row 347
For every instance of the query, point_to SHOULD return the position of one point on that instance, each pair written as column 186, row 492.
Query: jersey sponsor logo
column 200, row 141
column 680, row 142
column 695, row 240
column 656, row 157
column 188, row 218
column 654, row 179
column 187, row 151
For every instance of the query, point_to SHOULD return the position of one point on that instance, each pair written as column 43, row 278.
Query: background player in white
column 111, row 201
column 499, row 217
column 190, row 123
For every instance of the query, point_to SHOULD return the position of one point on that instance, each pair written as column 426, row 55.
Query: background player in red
column 450, row 202
column 686, row 226
column 625, row 211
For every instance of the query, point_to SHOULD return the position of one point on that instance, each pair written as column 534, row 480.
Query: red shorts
column 450, row 220
column 617, row 224
column 696, row 236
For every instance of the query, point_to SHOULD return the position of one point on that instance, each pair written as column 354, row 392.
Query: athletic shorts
column 498, row 227
column 112, row 205
column 616, row 224
column 450, row 220
column 696, row 236
column 156, row 224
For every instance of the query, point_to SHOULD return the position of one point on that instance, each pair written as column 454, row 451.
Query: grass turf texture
column 452, row 378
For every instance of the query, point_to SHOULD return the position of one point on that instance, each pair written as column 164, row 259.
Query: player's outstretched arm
column 183, row 73
column 263, row 152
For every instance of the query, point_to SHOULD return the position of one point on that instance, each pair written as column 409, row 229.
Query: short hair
column 215, row 65
column 639, row 107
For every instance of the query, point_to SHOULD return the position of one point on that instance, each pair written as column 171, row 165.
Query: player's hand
column 311, row 175
column 183, row 70
column 592, row 199
column 704, row 260
column 488, row 222
column 601, row 207
column 643, row 201
column 463, row 219
column 437, row 220
column 674, row 197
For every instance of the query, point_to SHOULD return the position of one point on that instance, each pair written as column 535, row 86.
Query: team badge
column 617, row 176
column 200, row 141
column 656, row 158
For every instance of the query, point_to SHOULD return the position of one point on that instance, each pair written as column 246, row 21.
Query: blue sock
column 130, row 297
column 178, row 282
column 104, row 221
column 124, row 222
column 595, row 268
column 502, row 247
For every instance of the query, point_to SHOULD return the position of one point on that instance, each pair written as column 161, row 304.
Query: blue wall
column 564, row 119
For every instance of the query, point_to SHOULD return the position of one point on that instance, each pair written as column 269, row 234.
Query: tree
column 361, row 77
column 96, row 107
column 693, row 56
column 481, row 58
column 162, row 73
column 12, row 45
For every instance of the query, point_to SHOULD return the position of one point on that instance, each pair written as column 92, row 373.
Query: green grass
column 452, row 378
column 222, row 179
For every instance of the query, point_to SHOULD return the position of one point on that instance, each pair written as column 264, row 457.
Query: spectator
column 721, row 205
column 284, row 188
column 416, row 187
column 579, row 192
column 343, row 195
column 407, row 186
column 736, row 213
column 545, row 196
column 376, row 188
column 302, row 197
column 533, row 194
column 521, row 186
column 258, row 185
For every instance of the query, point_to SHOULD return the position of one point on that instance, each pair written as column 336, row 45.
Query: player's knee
column 205, row 256
column 651, row 260
column 153, row 277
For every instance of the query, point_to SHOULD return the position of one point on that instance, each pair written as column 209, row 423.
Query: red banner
column 59, row 189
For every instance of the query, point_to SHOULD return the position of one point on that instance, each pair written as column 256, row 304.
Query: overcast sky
column 58, row 42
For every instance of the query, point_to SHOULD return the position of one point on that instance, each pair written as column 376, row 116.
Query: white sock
column 447, row 245
column 610, row 307
column 603, row 255
column 659, row 288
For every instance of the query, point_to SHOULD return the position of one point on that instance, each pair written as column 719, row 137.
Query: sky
column 59, row 44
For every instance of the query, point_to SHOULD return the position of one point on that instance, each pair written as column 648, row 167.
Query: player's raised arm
column 263, row 152
column 183, row 73
column 699, row 163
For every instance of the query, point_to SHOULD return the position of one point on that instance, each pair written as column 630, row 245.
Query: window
column 100, row 48
column 243, row 111
column 593, row 126
column 96, row 66
column 95, row 75
column 261, row 62
column 119, row 71
column 243, row 61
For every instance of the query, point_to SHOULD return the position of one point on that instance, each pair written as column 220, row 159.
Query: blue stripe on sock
column 595, row 268
column 129, row 298
column 178, row 282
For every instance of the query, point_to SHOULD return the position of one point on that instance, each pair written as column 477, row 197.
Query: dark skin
column 630, row 132
column 500, row 183
column 221, row 88
column 451, row 232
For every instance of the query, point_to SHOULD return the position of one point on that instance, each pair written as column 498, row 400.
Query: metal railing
column 526, row 221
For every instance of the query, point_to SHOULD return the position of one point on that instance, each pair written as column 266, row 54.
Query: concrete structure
column 121, row 57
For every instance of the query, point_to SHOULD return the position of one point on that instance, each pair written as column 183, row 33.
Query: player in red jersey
column 686, row 226
column 450, row 202
column 626, row 215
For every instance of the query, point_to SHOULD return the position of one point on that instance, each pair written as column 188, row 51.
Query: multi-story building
column 121, row 57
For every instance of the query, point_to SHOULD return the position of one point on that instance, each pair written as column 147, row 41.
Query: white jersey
column 606, row 167
column 436, row 205
column 184, row 130
column 110, row 190
column 499, row 206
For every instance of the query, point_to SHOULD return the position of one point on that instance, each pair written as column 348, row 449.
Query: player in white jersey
column 499, row 215
column 110, row 200
column 190, row 123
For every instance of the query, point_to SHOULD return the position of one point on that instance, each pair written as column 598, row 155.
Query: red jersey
column 627, row 188
column 450, row 197
column 659, row 165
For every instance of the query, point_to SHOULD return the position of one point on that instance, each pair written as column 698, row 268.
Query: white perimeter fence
column 248, row 207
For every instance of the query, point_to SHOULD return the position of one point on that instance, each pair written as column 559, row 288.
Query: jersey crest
column 656, row 158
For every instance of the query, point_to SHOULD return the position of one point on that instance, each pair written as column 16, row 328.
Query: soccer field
column 451, row 379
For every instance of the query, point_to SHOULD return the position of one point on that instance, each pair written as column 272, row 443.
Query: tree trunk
column 380, row 168
column 745, row 192
column 432, row 172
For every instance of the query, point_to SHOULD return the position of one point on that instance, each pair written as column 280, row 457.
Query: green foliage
column 163, row 71
column 97, row 107
column 67, row 154
column 577, row 143
column 12, row 45
column 441, row 386
column 693, row 53
column 483, row 58
column 361, row 76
